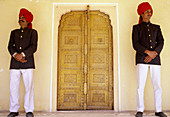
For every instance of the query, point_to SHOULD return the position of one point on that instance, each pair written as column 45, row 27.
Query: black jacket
column 23, row 40
column 147, row 36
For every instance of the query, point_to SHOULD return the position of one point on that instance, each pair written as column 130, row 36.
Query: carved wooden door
column 85, row 61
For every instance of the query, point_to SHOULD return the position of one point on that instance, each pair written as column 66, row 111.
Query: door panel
column 100, row 64
column 85, row 79
column 70, row 61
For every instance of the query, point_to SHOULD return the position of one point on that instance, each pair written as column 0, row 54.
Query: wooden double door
column 85, row 61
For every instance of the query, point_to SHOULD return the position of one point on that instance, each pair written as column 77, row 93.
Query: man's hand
column 151, row 54
column 23, row 60
column 148, row 59
column 18, row 57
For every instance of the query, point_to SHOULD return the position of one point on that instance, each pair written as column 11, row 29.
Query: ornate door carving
column 85, row 61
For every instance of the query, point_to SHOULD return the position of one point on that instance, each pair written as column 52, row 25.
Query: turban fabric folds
column 142, row 8
column 28, row 16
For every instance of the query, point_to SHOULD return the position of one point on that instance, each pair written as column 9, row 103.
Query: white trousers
column 155, row 73
column 15, row 76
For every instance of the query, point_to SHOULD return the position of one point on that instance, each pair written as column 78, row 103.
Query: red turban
column 142, row 8
column 28, row 16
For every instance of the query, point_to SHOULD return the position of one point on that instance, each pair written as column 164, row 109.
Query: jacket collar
column 146, row 22
column 26, row 28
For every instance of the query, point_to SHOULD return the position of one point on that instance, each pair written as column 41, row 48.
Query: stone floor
column 84, row 114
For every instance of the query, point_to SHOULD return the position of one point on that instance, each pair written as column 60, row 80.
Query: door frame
column 61, row 8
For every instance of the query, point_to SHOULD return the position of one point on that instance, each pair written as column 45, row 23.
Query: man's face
column 147, row 15
column 22, row 22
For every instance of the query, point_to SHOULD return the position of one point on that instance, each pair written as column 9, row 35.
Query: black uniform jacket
column 23, row 40
column 147, row 36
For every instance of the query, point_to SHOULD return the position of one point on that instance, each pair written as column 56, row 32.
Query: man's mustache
column 20, row 21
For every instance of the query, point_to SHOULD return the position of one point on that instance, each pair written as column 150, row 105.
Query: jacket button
column 21, row 36
column 148, row 25
column 150, row 40
column 22, row 31
column 149, row 35
column 20, row 48
column 151, row 47
column 148, row 30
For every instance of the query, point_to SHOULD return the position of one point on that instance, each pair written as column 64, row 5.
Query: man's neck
column 146, row 20
column 23, row 27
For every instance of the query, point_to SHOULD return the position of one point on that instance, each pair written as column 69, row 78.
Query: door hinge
column 85, row 106
column 85, row 49
column 85, row 68
column 85, row 88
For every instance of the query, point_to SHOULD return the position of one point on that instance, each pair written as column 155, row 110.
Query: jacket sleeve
column 136, row 43
column 33, row 44
column 11, row 44
column 160, row 41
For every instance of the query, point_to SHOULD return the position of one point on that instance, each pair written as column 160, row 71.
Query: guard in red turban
column 148, row 42
column 28, row 16
column 22, row 46
column 142, row 8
